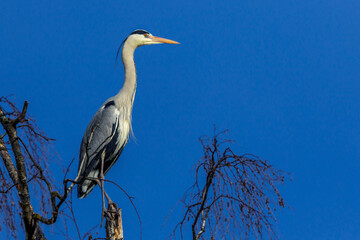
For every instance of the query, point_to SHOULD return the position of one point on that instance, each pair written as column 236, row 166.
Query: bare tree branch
column 237, row 196
column 32, row 228
column 8, row 161
column 29, row 157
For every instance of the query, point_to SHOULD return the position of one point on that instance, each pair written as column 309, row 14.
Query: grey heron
column 108, row 131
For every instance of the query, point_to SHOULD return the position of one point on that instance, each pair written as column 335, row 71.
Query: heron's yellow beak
column 163, row 40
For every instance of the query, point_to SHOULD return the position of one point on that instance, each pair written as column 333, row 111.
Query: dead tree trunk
column 113, row 225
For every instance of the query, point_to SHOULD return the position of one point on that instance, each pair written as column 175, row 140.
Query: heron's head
column 142, row 37
column 139, row 38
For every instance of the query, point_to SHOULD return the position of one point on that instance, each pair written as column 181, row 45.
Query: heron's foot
column 113, row 212
column 112, row 208
column 105, row 213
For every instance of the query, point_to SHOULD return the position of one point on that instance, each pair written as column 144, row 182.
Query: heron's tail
column 85, row 186
column 72, row 185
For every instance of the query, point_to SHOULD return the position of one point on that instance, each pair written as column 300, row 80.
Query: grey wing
column 105, row 132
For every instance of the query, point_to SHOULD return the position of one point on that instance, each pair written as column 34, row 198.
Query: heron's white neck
column 129, row 87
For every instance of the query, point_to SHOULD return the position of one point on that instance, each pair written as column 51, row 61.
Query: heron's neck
column 129, row 88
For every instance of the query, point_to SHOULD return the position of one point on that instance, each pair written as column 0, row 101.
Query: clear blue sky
column 283, row 76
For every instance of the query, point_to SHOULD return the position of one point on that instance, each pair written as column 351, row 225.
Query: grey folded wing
column 107, row 133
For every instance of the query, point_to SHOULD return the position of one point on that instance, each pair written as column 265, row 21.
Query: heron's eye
column 146, row 35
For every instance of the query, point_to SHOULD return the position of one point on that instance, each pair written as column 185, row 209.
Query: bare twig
column 11, row 187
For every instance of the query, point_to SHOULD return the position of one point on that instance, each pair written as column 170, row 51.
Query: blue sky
column 283, row 76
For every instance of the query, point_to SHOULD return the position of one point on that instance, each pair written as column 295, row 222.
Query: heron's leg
column 105, row 212
column 101, row 178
